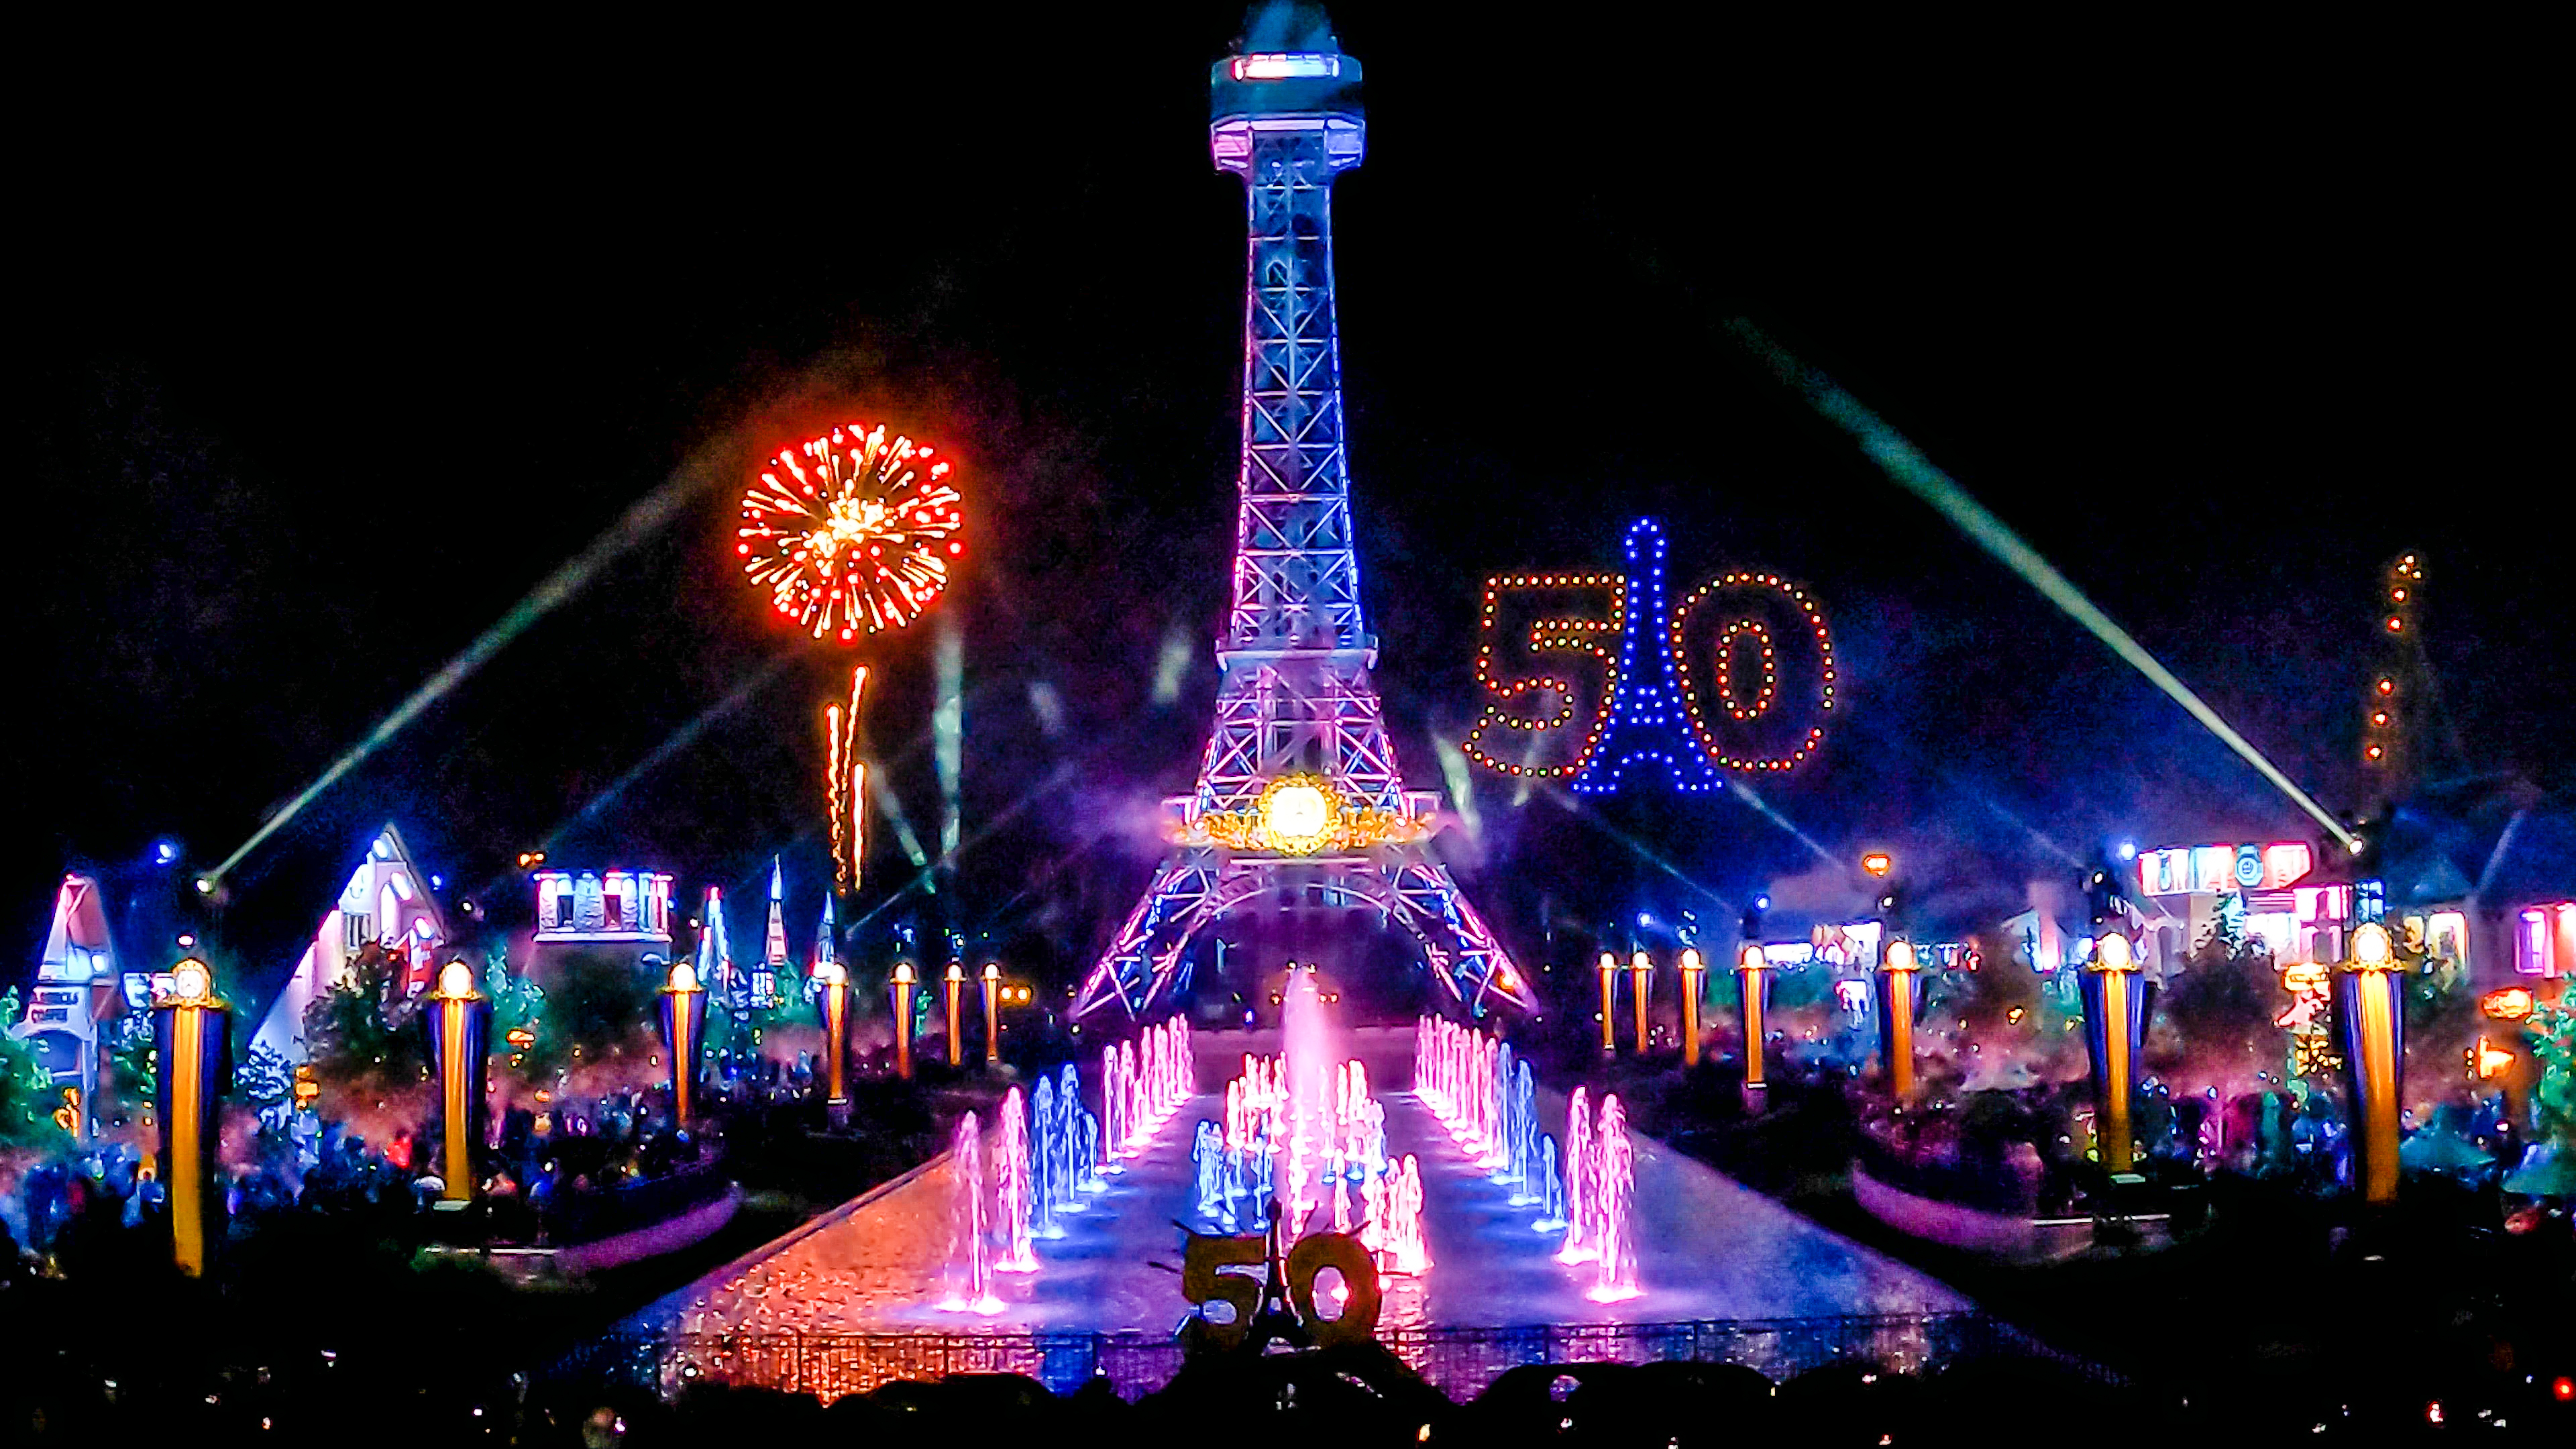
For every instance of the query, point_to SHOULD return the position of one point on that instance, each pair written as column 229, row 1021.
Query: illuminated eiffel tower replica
column 1299, row 800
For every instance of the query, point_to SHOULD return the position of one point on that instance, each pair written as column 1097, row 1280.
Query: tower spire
column 1299, row 790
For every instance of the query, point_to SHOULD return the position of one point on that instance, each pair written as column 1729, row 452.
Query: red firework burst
column 852, row 531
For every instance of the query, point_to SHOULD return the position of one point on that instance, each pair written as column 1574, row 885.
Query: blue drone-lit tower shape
column 1298, row 795
column 1647, row 728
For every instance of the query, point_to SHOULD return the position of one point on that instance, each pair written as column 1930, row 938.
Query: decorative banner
column 2370, row 1006
column 1692, row 970
column 1900, row 987
column 901, row 985
column 190, row 1031
column 1641, row 979
column 832, row 1005
column 1739, row 675
column 684, row 1035
column 992, row 1014
column 460, row 1043
column 956, row 982
column 1753, row 983
column 2116, row 1001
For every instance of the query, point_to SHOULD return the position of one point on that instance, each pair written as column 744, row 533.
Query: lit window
column 1285, row 67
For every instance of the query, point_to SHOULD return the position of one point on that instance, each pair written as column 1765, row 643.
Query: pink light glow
column 1011, row 1188
column 1578, row 1180
column 1310, row 1120
column 1614, row 1234
column 1406, row 1246
column 970, row 1271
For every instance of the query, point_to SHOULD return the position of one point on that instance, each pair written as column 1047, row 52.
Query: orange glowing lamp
column 2489, row 1061
column 2512, row 1003
column 2305, row 978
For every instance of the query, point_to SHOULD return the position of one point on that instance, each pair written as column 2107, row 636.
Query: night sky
column 335, row 352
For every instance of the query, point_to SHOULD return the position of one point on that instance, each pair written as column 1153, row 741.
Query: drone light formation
column 852, row 532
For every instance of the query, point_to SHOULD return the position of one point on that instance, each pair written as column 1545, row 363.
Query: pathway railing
column 1459, row 1362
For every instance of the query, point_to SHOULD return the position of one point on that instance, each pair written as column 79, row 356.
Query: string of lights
column 1546, row 635
column 1765, row 697
column 1644, row 716
column 1652, row 708
column 2386, row 709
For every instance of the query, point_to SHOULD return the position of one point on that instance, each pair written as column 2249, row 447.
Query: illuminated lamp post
column 2370, row 1005
column 1897, row 970
column 1692, row 969
column 992, row 1014
column 1609, row 995
column 2114, row 1023
column 684, row 1035
column 903, row 1020
column 1640, row 976
column 833, row 1002
column 460, row 1040
column 1752, row 974
column 956, row 1032
column 190, row 1030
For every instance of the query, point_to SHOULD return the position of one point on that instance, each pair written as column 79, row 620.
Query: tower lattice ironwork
column 1296, row 711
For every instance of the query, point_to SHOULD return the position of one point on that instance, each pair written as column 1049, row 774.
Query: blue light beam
column 640, row 522
column 1905, row 465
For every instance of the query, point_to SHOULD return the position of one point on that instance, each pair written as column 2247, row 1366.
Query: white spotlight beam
column 1905, row 464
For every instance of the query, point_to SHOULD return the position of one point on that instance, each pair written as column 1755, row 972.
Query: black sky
column 338, row 343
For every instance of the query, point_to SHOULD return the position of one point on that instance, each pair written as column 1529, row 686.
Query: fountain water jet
column 1071, row 1168
column 1407, row 1250
column 1011, row 1188
column 970, row 1271
column 1044, row 1145
column 1551, row 1217
column 1614, row 1190
column 1578, row 1185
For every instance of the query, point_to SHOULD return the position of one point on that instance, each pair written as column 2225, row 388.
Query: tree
column 2552, row 1034
column 266, row 1078
column 362, row 1033
column 27, row 1092
column 2220, row 1013
column 598, row 1010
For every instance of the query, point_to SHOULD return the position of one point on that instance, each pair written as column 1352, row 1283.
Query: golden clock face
column 1297, row 813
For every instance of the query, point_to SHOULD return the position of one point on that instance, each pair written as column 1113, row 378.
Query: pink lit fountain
column 1578, row 1180
column 1113, row 1110
column 1613, row 1207
column 970, row 1269
column 1013, row 1194
column 1407, row 1251
column 1309, row 1074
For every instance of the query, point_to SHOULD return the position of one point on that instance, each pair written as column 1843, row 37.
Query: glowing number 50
column 1742, row 642
column 1547, row 636
column 1745, row 661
